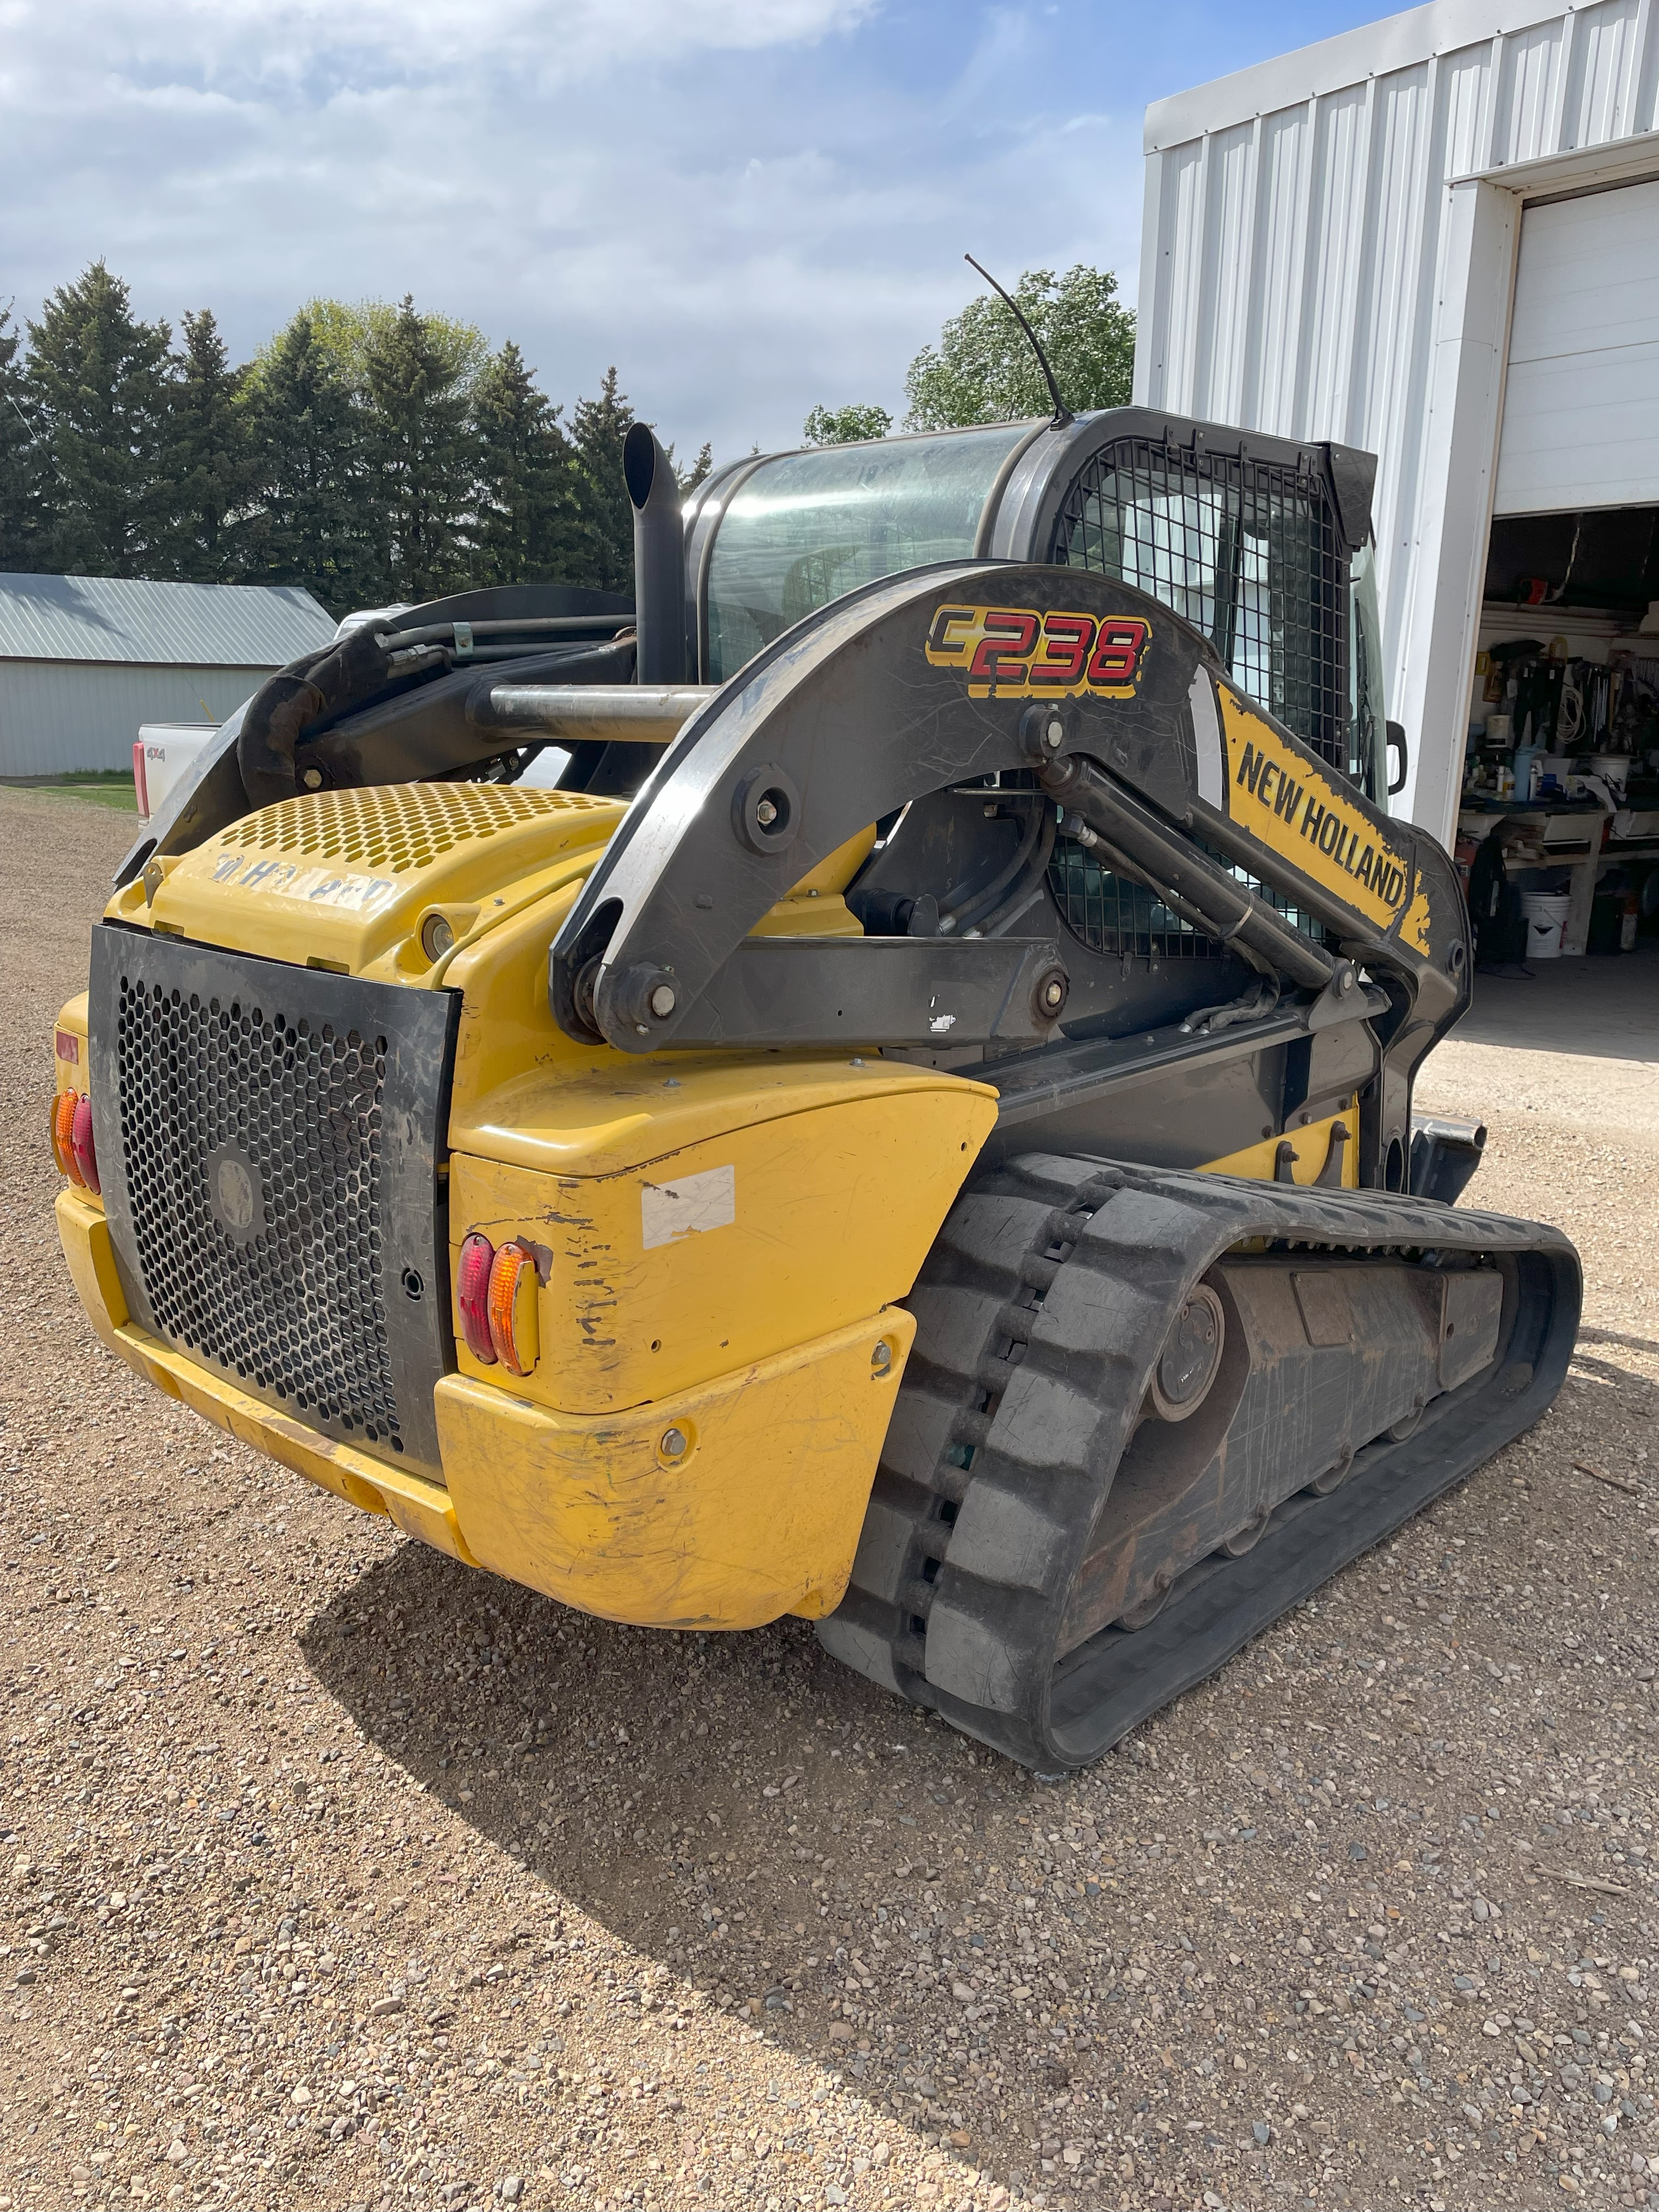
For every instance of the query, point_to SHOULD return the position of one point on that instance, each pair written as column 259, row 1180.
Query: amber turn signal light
column 72, row 1145
column 62, row 1133
column 513, row 1328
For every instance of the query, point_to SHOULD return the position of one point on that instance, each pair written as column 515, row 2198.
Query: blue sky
column 749, row 206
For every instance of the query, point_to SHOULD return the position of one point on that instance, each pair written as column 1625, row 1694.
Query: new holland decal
column 1297, row 810
column 317, row 886
column 1016, row 652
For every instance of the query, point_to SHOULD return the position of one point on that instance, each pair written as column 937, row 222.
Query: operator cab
column 1262, row 543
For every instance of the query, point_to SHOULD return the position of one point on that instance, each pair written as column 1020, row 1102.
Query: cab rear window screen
column 1248, row 551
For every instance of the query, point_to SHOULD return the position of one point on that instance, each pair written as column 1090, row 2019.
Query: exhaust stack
column 658, row 559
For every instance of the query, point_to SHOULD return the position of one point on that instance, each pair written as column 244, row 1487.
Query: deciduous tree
column 983, row 370
column 846, row 426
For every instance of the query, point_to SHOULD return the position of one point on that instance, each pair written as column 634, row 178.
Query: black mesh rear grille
column 270, row 1140
column 252, row 1141
column 1248, row 551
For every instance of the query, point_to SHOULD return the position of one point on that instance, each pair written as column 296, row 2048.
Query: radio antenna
column 1062, row 412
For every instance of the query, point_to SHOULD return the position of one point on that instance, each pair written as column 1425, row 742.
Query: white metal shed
column 1436, row 237
column 84, row 660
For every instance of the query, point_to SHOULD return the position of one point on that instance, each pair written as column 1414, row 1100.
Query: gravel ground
column 341, row 1875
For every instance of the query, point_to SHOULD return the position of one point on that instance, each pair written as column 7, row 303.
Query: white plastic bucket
column 1546, row 915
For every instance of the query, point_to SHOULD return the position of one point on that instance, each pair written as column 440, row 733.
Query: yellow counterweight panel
column 656, row 1277
column 84, row 1235
column 739, row 1501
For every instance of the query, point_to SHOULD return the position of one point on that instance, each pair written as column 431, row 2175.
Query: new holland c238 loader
column 906, row 1122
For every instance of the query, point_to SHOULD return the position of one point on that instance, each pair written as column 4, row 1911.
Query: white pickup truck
column 162, row 752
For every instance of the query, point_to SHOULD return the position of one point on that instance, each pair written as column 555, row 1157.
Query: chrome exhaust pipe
column 658, row 559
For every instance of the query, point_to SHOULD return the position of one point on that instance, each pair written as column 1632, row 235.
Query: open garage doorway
column 1558, row 827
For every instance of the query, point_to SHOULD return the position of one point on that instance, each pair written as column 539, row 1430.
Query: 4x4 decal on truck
column 1016, row 652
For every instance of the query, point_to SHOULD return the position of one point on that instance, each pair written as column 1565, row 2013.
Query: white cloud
column 748, row 208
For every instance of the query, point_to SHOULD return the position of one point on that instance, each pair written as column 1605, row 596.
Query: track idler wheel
column 1191, row 1356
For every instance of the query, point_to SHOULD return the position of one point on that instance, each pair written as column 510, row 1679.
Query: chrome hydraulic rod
column 625, row 713
column 1166, row 858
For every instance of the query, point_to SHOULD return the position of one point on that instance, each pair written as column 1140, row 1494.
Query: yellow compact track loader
column 873, row 1081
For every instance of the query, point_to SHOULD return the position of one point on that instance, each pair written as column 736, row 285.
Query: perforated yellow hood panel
column 347, row 878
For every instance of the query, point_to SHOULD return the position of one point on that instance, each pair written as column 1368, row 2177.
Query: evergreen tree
column 528, row 524
column 597, row 427
column 420, row 445
column 98, row 380
column 312, row 520
column 209, row 470
column 22, row 522
column 689, row 479
column 983, row 370
column 369, row 452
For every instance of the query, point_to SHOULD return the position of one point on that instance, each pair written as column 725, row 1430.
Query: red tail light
column 82, row 1149
column 472, row 1295
column 62, row 1133
column 513, row 1329
column 140, row 779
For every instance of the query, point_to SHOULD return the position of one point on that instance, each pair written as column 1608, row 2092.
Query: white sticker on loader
column 670, row 1210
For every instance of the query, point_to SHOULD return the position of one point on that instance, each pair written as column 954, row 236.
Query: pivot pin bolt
column 882, row 1358
column 766, row 813
column 1053, row 735
column 1053, row 993
column 663, row 1001
column 673, row 1445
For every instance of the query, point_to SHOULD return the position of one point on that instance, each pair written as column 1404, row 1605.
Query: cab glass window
column 807, row 527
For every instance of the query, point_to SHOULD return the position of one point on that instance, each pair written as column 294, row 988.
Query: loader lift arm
column 923, row 683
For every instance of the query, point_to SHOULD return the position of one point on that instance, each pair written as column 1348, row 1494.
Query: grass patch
column 108, row 786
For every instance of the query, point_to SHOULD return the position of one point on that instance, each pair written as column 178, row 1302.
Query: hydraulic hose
column 1026, row 886
column 955, row 921
column 353, row 667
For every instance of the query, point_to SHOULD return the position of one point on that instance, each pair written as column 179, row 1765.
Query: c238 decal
column 1016, row 652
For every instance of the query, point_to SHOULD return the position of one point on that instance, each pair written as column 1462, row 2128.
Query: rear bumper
column 419, row 1508
column 759, row 1514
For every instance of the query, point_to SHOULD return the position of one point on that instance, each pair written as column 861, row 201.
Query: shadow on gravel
column 736, row 1808
column 1587, row 1334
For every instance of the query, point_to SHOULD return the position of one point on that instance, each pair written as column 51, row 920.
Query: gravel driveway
column 339, row 1875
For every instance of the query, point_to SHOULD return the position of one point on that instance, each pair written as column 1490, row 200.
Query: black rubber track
column 1041, row 1310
